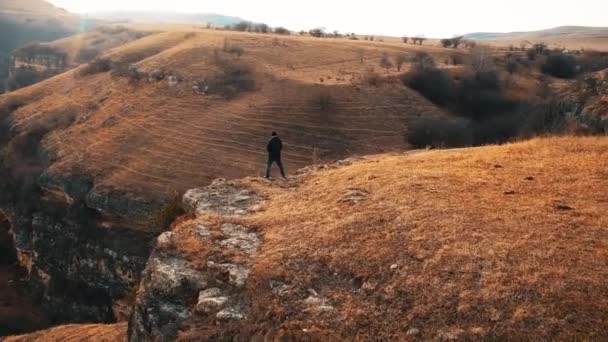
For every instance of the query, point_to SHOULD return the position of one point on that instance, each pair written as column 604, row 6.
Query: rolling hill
column 26, row 21
column 563, row 36
column 488, row 243
column 103, row 151
column 217, row 20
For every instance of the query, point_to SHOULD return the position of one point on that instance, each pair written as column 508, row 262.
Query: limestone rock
column 240, row 238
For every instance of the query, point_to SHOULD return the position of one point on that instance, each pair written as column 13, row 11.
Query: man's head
column 274, row 134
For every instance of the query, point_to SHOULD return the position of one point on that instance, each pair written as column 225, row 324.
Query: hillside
column 200, row 137
column 217, row 20
column 102, row 152
column 572, row 37
column 488, row 243
column 27, row 21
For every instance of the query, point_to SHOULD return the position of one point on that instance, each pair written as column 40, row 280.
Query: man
column 274, row 147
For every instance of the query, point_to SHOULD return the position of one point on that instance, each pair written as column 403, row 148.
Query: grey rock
column 230, row 314
column 239, row 237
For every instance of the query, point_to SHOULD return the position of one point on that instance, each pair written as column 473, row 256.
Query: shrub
column 242, row 26
column 400, row 60
column 439, row 132
column 317, row 33
column 282, row 30
column 423, row 60
column 432, row 83
column 372, row 78
column 591, row 61
column 86, row 55
column 560, row 65
column 236, row 50
column 170, row 212
column 233, row 78
column 480, row 95
column 386, row 63
column 260, row 28
column 324, row 101
column 97, row 66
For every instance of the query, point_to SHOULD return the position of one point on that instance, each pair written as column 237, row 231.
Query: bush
column 97, row 66
column 282, row 30
column 170, row 212
column 317, row 33
column 242, row 26
column 432, row 83
column 324, row 101
column 560, row 65
column 400, row 59
column 86, row 55
column 233, row 78
column 592, row 61
column 439, row 132
column 480, row 95
column 386, row 63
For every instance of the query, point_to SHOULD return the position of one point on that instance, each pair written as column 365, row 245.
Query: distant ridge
column 557, row 33
column 168, row 18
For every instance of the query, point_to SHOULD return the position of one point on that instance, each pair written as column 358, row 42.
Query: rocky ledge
column 199, row 268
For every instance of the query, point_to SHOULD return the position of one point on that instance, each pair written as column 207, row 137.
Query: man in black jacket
column 274, row 148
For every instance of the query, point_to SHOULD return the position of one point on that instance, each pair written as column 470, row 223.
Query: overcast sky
column 390, row 17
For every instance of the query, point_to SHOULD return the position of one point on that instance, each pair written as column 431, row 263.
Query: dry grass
column 151, row 138
column 491, row 243
column 76, row 333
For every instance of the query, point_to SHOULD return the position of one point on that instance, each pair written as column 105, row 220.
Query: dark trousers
column 272, row 160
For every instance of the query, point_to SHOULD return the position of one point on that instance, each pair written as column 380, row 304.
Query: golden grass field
column 76, row 333
column 152, row 138
column 490, row 243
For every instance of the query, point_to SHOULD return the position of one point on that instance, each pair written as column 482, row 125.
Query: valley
column 454, row 190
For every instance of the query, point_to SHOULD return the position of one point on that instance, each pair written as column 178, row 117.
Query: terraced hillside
column 101, row 153
column 489, row 243
column 150, row 136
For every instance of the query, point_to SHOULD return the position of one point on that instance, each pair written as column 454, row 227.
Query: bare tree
column 400, row 60
column 386, row 62
column 481, row 59
column 361, row 55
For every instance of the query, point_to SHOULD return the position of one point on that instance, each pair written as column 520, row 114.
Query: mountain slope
column 23, row 22
column 497, row 242
column 218, row 20
column 563, row 36
column 102, row 152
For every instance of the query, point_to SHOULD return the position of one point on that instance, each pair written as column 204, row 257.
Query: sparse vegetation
column 433, row 83
column 560, row 65
column 427, row 131
column 400, row 59
column 282, row 31
column 96, row 66
column 386, row 63
column 324, row 101
column 232, row 79
column 317, row 33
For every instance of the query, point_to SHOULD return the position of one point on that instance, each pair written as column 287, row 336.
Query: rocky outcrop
column 176, row 286
column 82, row 263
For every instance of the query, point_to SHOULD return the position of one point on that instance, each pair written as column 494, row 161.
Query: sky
column 389, row 17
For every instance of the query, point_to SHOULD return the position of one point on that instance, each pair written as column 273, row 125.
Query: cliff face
column 207, row 278
column 81, row 244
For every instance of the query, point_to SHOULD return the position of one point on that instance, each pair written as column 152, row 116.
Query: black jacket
column 274, row 147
